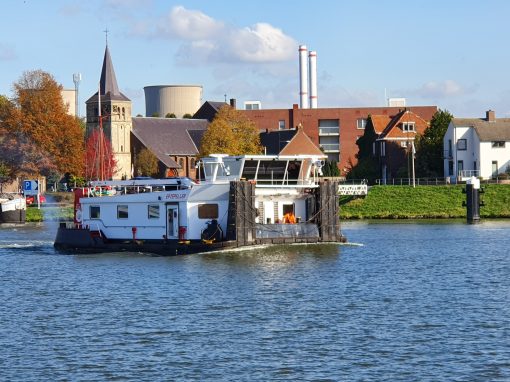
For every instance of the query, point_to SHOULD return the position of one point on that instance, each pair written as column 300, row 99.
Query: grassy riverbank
column 382, row 202
column 58, row 206
column 403, row 202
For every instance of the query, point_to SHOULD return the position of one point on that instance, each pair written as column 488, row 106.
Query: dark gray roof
column 196, row 137
column 499, row 130
column 275, row 141
column 208, row 110
column 169, row 136
column 108, row 82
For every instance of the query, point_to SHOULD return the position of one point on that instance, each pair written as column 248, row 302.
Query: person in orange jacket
column 289, row 218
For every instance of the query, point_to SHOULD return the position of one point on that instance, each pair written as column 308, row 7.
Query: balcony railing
column 330, row 147
column 329, row 130
column 469, row 173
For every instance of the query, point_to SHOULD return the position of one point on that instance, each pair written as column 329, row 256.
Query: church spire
column 108, row 81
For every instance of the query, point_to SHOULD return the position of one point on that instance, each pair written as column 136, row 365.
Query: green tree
column 367, row 167
column 146, row 163
column 231, row 133
column 170, row 115
column 330, row 168
column 429, row 146
column 187, row 116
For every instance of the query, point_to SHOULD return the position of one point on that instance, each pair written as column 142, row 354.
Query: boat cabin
column 281, row 191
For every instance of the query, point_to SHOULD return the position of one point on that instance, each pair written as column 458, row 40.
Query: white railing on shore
column 469, row 173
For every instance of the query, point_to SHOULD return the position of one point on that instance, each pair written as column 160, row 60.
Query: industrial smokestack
column 312, row 58
column 303, row 78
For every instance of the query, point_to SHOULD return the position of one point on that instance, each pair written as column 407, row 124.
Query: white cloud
column 205, row 40
column 447, row 88
column 7, row 53
column 261, row 43
column 189, row 25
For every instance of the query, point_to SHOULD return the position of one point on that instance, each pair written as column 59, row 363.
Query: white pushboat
column 237, row 201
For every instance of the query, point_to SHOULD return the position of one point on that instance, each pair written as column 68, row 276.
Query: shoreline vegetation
column 424, row 202
column 382, row 202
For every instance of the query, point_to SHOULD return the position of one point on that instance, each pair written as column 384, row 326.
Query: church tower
column 115, row 115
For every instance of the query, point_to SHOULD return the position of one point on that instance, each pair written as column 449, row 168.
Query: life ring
column 78, row 215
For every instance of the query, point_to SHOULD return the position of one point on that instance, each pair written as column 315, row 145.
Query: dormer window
column 408, row 126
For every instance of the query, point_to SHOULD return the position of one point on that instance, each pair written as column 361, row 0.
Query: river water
column 418, row 301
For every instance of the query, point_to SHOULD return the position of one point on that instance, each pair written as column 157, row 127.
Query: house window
column 192, row 163
column 208, row 211
column 281, row 124
column 498, row 144
column 495, row 169
column 95, row 212
column 332, row 157
column 383, row 148
column 181, row 162
column 408, row 126
column 460, row 167
column 361, row 123
column 462, row 144
column 122, row 212
column 153, row 211
column 329, row 127
column 403, row 144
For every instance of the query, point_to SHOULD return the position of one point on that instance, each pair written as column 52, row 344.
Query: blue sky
column 450, row 53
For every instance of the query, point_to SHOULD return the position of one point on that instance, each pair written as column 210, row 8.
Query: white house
column 477, row 147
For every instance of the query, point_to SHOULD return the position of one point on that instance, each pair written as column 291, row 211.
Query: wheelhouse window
column 122, row 212
column 498, row 144
column 95, row 212
column 408, row 126
column 208, row 211
column 462, row 144
column 153, row 211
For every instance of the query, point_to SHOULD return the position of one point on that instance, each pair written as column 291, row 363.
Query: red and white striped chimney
column 312, row 58
column 303, row 78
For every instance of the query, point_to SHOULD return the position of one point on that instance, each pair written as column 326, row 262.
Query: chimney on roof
column 233, row 103
column 490, row 116
column 295, row 106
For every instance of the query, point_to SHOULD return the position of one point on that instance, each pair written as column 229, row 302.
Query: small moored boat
column 12, row 208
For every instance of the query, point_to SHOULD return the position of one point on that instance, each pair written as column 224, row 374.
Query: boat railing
column 136, row 186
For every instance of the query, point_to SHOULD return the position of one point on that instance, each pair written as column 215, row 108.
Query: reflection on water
column 418, row 301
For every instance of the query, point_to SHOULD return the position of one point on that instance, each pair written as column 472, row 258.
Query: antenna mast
column 76, row 80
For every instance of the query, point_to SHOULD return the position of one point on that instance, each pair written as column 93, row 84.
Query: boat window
column 208, row 211
column 153, row 211
column 95, row 212
column 122, row 212
column 249, row 170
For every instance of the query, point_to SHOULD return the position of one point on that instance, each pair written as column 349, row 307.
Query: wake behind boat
column 238, row 201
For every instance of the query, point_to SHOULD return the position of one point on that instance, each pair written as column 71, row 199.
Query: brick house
column 335, row 130
column 395, row 141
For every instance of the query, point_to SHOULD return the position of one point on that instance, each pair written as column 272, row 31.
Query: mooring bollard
column 472, row 202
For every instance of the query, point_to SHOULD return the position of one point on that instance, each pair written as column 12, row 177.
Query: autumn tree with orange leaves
column 36, row 119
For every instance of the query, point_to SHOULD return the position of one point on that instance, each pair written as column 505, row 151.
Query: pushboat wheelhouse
column 236, row 201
